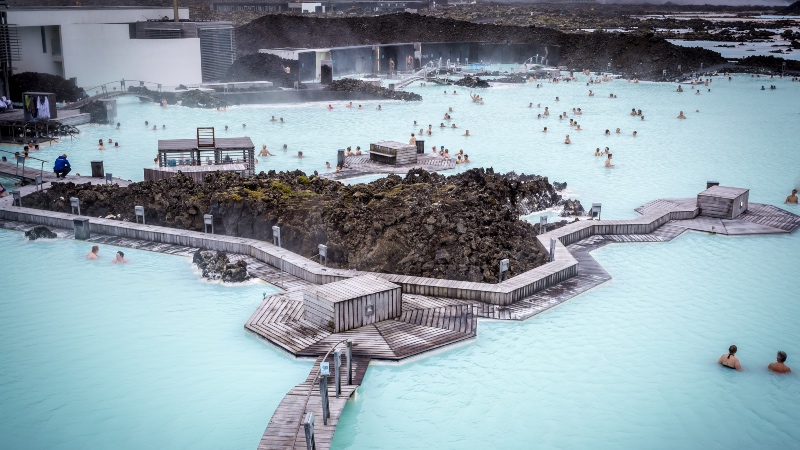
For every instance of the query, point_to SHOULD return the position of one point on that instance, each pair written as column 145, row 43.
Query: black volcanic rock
column 423, row 224
column 351, row 85
column 40, row 232
column 216, row 266
column 641, row 55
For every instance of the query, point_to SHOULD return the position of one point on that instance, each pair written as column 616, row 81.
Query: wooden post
column 337, row 371
column 323, row 396
column 349, row 354
column 308, row 426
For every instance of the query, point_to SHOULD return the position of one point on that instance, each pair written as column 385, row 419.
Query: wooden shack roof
column 350, row 288
column 176, row 145
column 724, row 192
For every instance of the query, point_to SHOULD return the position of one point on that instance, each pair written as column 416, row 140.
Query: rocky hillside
column 424, row 224
column 640, row 55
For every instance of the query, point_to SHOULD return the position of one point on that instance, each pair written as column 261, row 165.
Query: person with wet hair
column 779, row 366
column 729, row 360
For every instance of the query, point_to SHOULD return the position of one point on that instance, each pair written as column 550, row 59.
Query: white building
column 96, row 45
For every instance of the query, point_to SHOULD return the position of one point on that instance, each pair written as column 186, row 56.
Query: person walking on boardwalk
column 779, row 366
column 62, row 166
column 730, row 361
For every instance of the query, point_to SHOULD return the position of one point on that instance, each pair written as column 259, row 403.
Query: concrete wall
column 34, row 59
column 95, row 61
column 84, row 15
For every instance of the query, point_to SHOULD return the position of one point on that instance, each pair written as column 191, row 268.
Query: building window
column 44, row 41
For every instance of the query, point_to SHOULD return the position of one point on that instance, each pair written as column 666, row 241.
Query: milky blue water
column 630, row 364
column 142, row 355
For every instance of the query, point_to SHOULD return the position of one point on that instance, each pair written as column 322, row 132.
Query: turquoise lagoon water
column 629, row 364
column 143, row 355
column 741, row 136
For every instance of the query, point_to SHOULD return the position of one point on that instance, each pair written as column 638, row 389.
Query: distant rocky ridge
column 424, row 224
column 636, row 55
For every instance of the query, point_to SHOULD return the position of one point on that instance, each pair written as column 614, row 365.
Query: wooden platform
column 285, row 431
column 362, row 166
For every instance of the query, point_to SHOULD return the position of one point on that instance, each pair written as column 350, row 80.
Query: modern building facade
column 96, row 45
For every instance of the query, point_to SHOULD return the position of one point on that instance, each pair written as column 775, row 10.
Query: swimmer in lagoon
column 680, row 89
column 349, row 105
column 379, row 107
column 530, row 105
column 545, row 130
column 567, row 140
column 273, row 119
column 466, row 159
column 413, row 140
column 608, row 133
column 453, row 126
column 634, row 134
column 93, row 254
column 730, row 361
column 617, row 131
column 597, row 152
column 330, row 106
column 299, row 154
column 442, row 125
column 327, row 165
column 779, row 366
column 119, row 258
column 792, row 198
column 608, row 162
column 681, row 116
column 466, row 133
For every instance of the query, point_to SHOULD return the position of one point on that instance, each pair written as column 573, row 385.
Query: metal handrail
column 311, row 388
column 41, row 170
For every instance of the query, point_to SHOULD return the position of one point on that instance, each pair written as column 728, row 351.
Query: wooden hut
column 352, row 303
column 395, row 153
column 723, row 202
column 202, row 155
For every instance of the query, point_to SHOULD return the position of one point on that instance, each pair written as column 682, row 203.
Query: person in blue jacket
column 62, row 167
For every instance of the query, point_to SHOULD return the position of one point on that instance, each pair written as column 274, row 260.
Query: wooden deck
column 362, row 166
column 285, row 431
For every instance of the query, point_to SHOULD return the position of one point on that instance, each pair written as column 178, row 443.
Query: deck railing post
column 308, row 426
column 337, row 371
column 74, row 204
column 208, row 219
column 17, row 198
column 276, row 235
column 542, row 224
column 552, row 249
column 139, row 211
column 349, row 355
column 323, row 395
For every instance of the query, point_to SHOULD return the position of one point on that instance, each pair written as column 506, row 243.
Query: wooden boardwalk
column 285, row 431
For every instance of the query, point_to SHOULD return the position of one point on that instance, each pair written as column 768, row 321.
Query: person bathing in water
column 681, row 116
column 730, row 361
column 779, row 366
column 792, row 198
